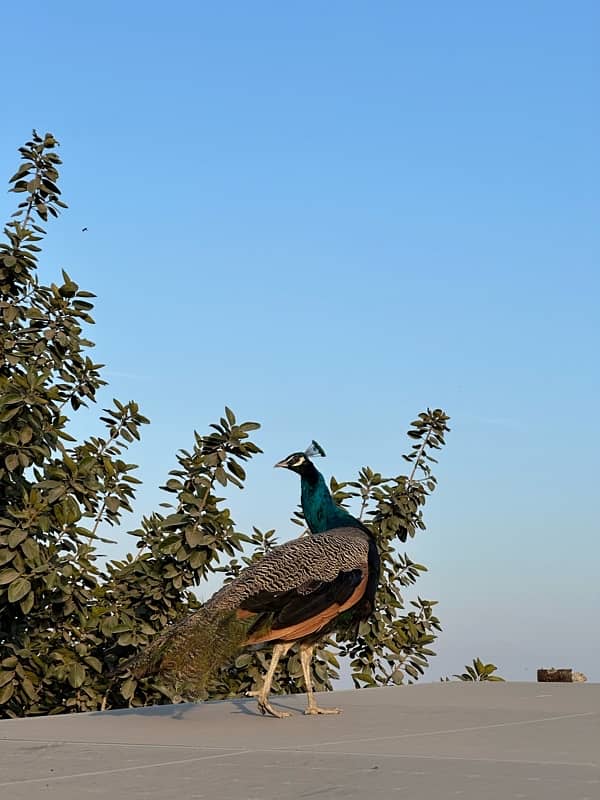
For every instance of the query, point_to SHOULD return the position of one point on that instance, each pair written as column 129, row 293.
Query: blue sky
column 329, row 217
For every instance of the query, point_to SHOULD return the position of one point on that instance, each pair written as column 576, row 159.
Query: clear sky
column 330, row 216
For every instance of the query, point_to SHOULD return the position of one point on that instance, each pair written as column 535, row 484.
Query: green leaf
column 121, row 628
column 76, row 675
column 29, row 689
column 16, row 537
column 8, row 415
column 411, row 671
column 6, row 693
column 8, row 575
column 330, row 658
column 197, row 559
column 250, row 426
column 30, row 548
column 113, row 504
column 366, row 677
column 5, row 677
column 55, row 493
column 18, row 589
column 27, row 603
column 174, row 520
column 11, row 461
column 94, row 663
column 194, row 537
column 128, row 688
column 237, row 470
column 6, row 555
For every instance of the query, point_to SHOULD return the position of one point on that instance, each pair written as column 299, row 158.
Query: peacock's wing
column 299, row 587
column 299, row 615
column 292, row 592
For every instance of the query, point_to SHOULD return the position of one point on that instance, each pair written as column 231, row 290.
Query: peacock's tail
column 188, row 654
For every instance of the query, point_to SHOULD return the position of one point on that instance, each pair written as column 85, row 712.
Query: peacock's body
column 297, row 593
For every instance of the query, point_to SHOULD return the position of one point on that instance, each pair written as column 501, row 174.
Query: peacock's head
column 298, row 462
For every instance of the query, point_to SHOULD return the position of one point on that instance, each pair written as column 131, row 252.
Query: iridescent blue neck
column 320, row 511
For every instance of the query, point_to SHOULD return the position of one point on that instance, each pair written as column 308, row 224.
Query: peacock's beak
column 288, row 461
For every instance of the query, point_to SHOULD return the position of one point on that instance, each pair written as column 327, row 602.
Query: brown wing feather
column 313, row 623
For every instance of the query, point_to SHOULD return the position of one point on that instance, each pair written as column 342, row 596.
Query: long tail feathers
column 189, row 653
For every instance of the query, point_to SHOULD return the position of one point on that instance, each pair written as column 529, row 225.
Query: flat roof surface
column 478, row 741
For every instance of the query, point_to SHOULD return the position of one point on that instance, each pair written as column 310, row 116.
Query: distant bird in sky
column 296, row 594
column 83, row 229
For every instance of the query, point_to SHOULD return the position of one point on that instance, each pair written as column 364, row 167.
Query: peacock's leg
column 306, row 651
column 262, row 694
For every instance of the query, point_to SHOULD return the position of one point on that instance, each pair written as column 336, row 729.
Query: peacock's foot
column 265, row 707
column 318, row 710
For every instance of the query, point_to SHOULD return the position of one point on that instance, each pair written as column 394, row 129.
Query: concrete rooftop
column 487, row 741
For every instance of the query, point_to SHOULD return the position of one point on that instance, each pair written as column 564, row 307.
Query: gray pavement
column 488, row 741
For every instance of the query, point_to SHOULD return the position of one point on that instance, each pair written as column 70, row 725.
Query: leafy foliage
column 479, row 672
column 65, row 621
column 392, row 645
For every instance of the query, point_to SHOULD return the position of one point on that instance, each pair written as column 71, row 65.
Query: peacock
column 297, row 593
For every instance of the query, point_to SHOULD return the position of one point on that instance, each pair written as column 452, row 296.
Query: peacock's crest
column 314, row 449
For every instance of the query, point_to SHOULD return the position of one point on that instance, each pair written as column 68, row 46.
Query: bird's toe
column 314, row 710
column 265, row 707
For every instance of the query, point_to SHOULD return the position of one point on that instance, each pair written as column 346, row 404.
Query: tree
column 65, row 622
